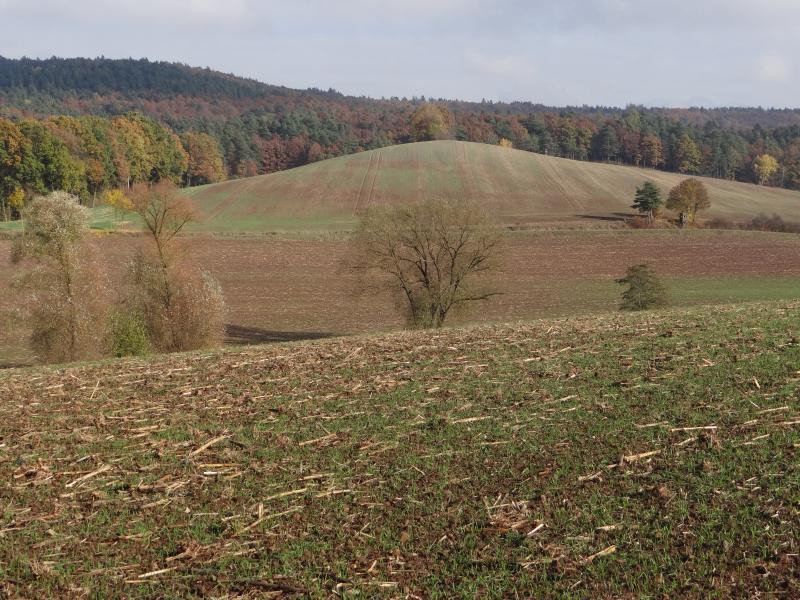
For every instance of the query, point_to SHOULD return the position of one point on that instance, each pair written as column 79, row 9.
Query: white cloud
column 514, row 66
column 179, row 13
column 774, row 68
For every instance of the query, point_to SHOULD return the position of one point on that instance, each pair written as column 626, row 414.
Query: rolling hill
column 520, row 187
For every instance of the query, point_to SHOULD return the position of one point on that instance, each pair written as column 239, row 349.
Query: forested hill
column 231, row 126
column 103, row 86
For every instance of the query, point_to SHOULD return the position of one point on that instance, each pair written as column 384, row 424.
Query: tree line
column 86, row 156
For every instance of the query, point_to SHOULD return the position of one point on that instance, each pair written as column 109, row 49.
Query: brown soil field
column 280, row 290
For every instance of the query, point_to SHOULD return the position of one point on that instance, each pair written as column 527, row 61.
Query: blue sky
column 609, row 52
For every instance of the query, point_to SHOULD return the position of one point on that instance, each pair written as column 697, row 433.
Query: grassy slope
column 519, row 186
column 617, row 456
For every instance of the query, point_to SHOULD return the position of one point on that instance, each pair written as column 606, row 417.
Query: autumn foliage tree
column 652, row 151
column 687, row 155
column 14, row 153
column 182, row 307
column 688, row 198
column 765, row 166
column 65, row 291
column 434, row 254
column 204, row 159
column 431, row 122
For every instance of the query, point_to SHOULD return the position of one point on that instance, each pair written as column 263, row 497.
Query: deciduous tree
column 65, row 291
column 765, row 166
column 433, row 253
column 644, row 289
column 183, row 307
column 652, row 151
column 687, row 155
column 14, row 151
column 204, row 159
column 688, row 198
column 431, row 122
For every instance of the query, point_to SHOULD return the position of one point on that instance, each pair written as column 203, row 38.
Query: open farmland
column 518, row 187
column 651, row 455
column 288, row 289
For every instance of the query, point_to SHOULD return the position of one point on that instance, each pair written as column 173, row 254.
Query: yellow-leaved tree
column 765, row 166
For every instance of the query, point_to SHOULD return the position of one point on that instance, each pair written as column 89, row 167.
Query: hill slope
column 571, row 458
column 108, row 86
column 520, row 187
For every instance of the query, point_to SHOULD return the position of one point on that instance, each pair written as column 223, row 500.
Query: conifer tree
column 648, row 200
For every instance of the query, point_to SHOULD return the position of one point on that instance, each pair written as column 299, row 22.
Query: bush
column 128, row 334
column 644, row 291
column 183, row 309
column 774, row 223
column 63, row 291
column 760, row 222
column 645, row 223
column 721, row 223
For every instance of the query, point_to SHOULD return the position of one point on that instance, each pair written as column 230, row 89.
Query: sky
column 555, row 52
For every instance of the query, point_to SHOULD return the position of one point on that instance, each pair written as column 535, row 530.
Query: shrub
column 760, row 222
column 721, row 223
column 64, row 292
column 775, row 223
column 183, row 309
column 128, row 333
column 644, row 290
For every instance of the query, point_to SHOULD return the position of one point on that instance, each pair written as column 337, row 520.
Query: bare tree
column 64, row 291
column 434, row 254
column 183, row 307
column 165, row 212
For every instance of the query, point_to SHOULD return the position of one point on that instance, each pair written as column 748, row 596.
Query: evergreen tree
column 607, row 144
column 648, row 200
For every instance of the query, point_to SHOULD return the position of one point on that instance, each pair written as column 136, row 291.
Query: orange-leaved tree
column 182, row 306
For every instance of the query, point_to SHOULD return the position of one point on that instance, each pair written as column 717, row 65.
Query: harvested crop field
column 651, row 455
column 290, row 289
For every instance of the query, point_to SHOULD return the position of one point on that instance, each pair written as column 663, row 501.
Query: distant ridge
column 62, row 79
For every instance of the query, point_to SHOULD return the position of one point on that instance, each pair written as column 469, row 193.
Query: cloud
column 504, row 66
column 183, row 14
column 774, row 68
column 551, row 51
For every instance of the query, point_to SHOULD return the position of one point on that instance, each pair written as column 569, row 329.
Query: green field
column 616, row 456
column 519, row 187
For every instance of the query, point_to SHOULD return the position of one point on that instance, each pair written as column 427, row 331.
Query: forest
column 89, row 125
